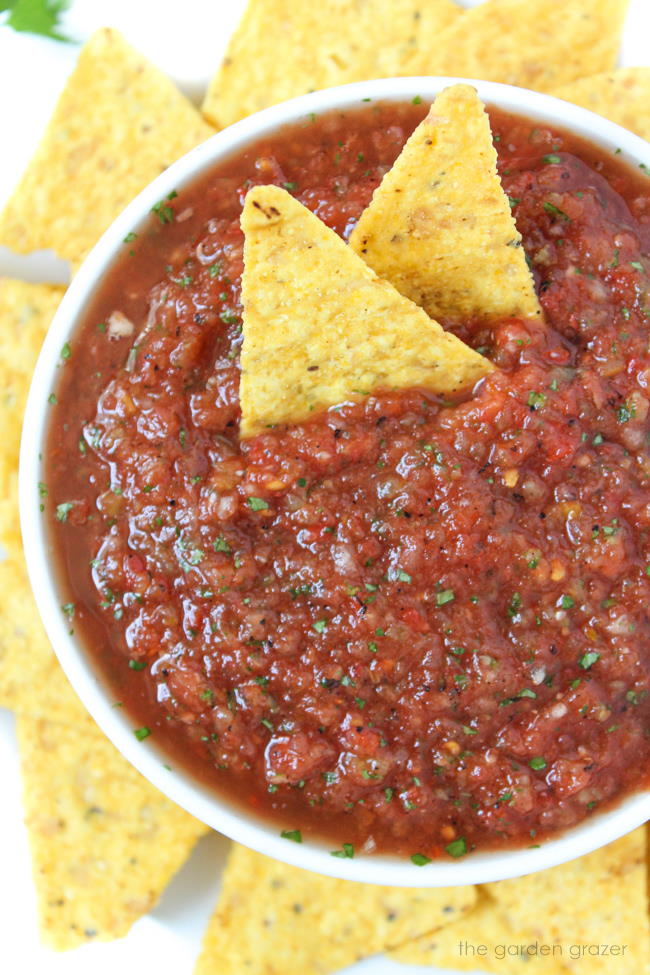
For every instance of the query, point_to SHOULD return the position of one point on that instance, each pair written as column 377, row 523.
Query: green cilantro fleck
column 319, row 625
column 444, row 597
column 63, row 510
column 346, row 853
column 292, row 834
column 142, row 733
column 536, row 400
column 257, row 504
column 537, row 764
column 420, row 860
column 588, row 658
column 556, row 212
column 137, row 664
column 458, row 848
column 551, row 158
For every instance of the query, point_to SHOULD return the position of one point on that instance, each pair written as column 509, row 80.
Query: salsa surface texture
column 406, row 625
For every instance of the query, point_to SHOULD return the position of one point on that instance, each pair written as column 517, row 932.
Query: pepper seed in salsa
column 407, row 624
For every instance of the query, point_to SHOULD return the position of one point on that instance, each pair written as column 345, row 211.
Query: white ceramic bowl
column 202, row 802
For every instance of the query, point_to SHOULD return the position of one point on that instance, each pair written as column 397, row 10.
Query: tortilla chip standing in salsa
column 320, row 327
column 440, row 227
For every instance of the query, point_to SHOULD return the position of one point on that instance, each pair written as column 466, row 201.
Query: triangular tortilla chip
column 622, row 96
column 320, row 327
column 26, row 658
column 104, row 842
column 26, row 311
column 118, row 124
column 478, row 943
column 591, row 912
column 440, row 227
column 280, row 49
column 539, row 44
column 272, row 919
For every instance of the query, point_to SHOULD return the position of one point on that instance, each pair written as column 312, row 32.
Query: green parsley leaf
column 221, row 545
column 346, row 853
column 556, row 212
column 257, row 504
column 420, row 860
column 567, row 602
column 536, row 400
column 551, row 158
column 142, row 733
column 36, row 16
column 444, row 597
column 66, row 351
column 537, row 764
column 589, row 658
column 319, row 625
column 137, row 664
column 63, row 510
column 458, row 848
column 292, row 834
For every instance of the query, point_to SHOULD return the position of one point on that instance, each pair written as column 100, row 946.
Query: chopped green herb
column 292, row 834
column 551, row 158
column 137, row 664
column 444, row 597
column 346, row 853
column 63, row 510
column 420, row 860
column 556, row 212
column 66, row 351
column 536, row 400
column 162, row 209
column 567, row 602
column 589, row 658
column 537, row 764
column 458, row 848
column 142, row 733
column 319, row 625
column 257, row 504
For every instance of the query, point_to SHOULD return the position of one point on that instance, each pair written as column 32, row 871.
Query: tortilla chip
column 440, row 227
column 25, row 314
column 31, row 680
column 320, row 327
column 280, row 50
column 538, row 44
column 623, row 96
column 576, row 908
column 272, row 919
column 598, row 899
column 104, row 842
column 481, row 941
column 118, row 124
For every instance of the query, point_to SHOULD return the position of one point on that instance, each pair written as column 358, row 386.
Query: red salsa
column 407, row 625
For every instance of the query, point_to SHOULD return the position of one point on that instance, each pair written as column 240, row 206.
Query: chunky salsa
column 407, row 625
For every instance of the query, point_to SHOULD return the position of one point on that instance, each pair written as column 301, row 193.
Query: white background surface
column 186, row 40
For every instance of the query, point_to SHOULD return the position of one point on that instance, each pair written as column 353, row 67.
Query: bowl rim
column 205, row 803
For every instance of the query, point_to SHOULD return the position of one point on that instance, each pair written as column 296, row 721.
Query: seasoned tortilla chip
column 31, row 680
column 622, row 96
column 601, row 898
column 479, row 942
column 104, row 842
column 538, row 44
column 576, row 909
column 320, row 327
column 25, row 314
column 281, row 49
column 440, row 227
column 272, row 919
column 119, row 122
